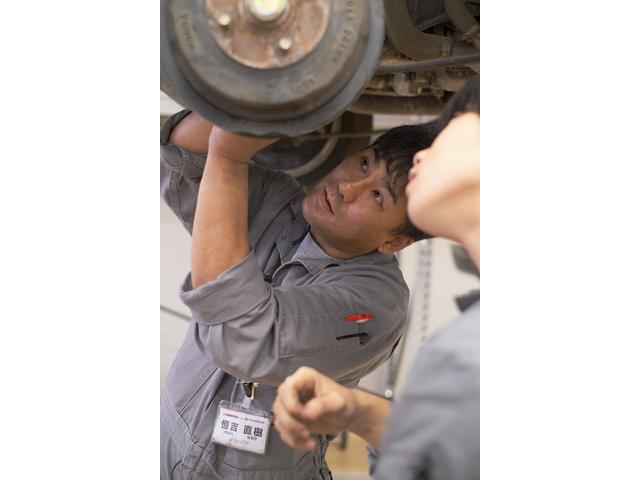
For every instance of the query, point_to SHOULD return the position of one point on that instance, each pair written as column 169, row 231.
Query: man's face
column 355, row 208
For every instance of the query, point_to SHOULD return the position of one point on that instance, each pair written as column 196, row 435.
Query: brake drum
column 269, row 67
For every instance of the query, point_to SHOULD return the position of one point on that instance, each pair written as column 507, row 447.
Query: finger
column 276, row 409
column 290, row 402
column 302, row 446
column 288, row 398
column 286, row 423
column 298, row 388
column 329, row 407
column 293, row 433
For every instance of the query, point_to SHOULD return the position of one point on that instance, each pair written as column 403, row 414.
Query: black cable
column 405, row 67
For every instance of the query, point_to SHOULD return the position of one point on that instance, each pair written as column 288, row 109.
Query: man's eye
column 364, row 163
column 378, row 196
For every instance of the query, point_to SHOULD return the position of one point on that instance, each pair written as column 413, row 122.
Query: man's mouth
column 326, row 199
column 412, row 175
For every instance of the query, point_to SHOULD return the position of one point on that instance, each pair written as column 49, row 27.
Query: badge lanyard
column 240, row 426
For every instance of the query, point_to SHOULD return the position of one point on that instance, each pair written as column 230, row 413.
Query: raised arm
column 184, row 141
column 221, row 225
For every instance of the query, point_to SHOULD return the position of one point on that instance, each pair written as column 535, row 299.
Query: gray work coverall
column 287, row 304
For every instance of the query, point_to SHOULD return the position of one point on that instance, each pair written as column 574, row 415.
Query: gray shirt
column 433, row 430
column 287, row 304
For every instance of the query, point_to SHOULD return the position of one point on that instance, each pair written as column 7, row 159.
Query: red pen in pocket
column 360, row 317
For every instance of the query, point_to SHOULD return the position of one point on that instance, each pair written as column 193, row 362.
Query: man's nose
column 351, row 189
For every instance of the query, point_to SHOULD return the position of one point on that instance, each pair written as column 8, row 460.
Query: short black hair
column 396, row 148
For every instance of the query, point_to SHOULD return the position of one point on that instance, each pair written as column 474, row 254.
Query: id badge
column 242, row 428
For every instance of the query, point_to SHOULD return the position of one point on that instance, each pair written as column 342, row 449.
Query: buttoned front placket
column 289, row 239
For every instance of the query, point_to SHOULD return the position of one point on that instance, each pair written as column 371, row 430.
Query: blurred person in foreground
column 433, row 429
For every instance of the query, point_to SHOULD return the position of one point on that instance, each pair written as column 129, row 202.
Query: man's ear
column 395, row 244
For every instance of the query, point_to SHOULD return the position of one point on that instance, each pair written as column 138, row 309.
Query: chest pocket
column 318, row 333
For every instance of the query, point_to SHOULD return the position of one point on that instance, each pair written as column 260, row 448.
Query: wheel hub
column 266, row 34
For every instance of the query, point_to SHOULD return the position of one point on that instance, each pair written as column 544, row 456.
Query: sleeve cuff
column 167, row 127
column 219, row 301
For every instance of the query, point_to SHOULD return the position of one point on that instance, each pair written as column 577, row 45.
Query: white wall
column 175, row 251
column 435, row 281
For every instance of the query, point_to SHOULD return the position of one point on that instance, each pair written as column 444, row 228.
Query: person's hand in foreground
column 309, row 402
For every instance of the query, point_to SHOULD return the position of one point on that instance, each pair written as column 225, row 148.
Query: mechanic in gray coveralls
column 279, row 279
column 433, row 430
